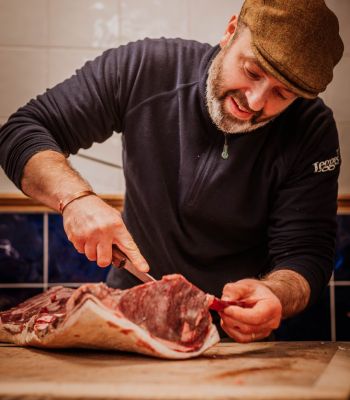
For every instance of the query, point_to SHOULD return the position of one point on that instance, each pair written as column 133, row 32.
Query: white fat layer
column 94, row 326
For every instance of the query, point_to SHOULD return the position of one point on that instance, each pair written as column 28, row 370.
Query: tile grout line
column 340, row 283
column 46, row 251
column 332, row 309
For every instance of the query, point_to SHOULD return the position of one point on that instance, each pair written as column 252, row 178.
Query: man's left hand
column 256, row 321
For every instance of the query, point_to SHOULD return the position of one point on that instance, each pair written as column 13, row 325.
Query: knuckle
column 245, row 329
column 227, row 289
column 259, row 318
column 90, row 254
column 275, row 324
column 96, row 231
column 72, row 237
column 79, row 249
column 279, row 308
column 79, row 238
column 241, row 338
column 130, row 245
column 118, row 222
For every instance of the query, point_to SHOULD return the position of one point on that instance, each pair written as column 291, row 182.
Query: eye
column 251, row 74
column 280, row 95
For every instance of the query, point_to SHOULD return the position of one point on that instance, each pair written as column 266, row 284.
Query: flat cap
column 296, row 41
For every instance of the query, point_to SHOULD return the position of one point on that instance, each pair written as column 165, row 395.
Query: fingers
column 244, row 333
column 90, row 251
column 129, row 247
column 79, row 246
column 246, row 324
column 93, row 226
column 265, row 306
column 244, row 337
column 126, row 243
column 104, row 254
column 262, row 312
column 249, row 329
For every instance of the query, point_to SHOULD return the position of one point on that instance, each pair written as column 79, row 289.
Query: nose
column 257, row 96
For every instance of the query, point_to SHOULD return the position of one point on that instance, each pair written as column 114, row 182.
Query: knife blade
column 121, row 260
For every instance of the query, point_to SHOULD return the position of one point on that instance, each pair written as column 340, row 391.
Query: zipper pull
column 224, row 154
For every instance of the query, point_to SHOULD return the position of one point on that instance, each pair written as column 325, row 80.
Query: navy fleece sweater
column 270, row 205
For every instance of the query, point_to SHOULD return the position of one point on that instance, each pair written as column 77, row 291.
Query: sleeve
column 302, row 227
column 83, row 109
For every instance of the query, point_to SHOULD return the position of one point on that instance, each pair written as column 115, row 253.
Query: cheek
column 276, row 106
column 233, row 78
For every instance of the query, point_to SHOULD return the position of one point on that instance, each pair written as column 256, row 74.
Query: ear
column 230, row 30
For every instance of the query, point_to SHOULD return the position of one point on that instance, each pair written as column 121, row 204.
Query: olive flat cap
column 296, row 41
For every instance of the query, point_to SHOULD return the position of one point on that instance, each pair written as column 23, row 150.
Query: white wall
column 43, row 41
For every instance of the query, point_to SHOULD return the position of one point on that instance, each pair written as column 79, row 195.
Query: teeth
column 242, row 109
column 239, row 106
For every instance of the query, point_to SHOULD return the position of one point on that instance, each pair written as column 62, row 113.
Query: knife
column 121, row 260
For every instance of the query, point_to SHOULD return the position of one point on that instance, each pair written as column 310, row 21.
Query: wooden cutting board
column 265, row 370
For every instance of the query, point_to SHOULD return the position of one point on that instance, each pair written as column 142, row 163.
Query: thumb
column 237, row 290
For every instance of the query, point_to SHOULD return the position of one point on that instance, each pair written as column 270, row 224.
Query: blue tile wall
column 21, row 261
column 21, row 248
column 65, row 263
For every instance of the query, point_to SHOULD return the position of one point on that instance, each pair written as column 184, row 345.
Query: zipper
column 224, row 154
column 202, row 172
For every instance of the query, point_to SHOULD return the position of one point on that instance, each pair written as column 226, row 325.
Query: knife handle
column 119, row 256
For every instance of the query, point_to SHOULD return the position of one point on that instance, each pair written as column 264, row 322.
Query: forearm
column 49, row 178
column 291, row 288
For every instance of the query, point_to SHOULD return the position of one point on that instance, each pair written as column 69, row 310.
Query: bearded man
column 230, row 159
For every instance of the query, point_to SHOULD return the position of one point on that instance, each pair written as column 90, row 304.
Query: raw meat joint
column 169, row 318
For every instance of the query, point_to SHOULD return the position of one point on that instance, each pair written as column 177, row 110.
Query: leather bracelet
column 83, row 193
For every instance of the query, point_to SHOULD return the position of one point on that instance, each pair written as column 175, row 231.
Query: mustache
column 242, row 100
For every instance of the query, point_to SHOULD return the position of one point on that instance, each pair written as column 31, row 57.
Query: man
column 230, row 159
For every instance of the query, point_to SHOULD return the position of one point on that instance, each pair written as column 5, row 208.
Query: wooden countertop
column 264, row 370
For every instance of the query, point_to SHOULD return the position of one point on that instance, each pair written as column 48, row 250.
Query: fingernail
column 144, row 267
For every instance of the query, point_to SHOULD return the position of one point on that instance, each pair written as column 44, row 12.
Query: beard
column 215, row 99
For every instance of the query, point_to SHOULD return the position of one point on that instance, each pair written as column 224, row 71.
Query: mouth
column 237, row 110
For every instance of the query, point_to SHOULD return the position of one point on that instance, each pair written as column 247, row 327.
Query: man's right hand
column 90, row 224
column 93, row 226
